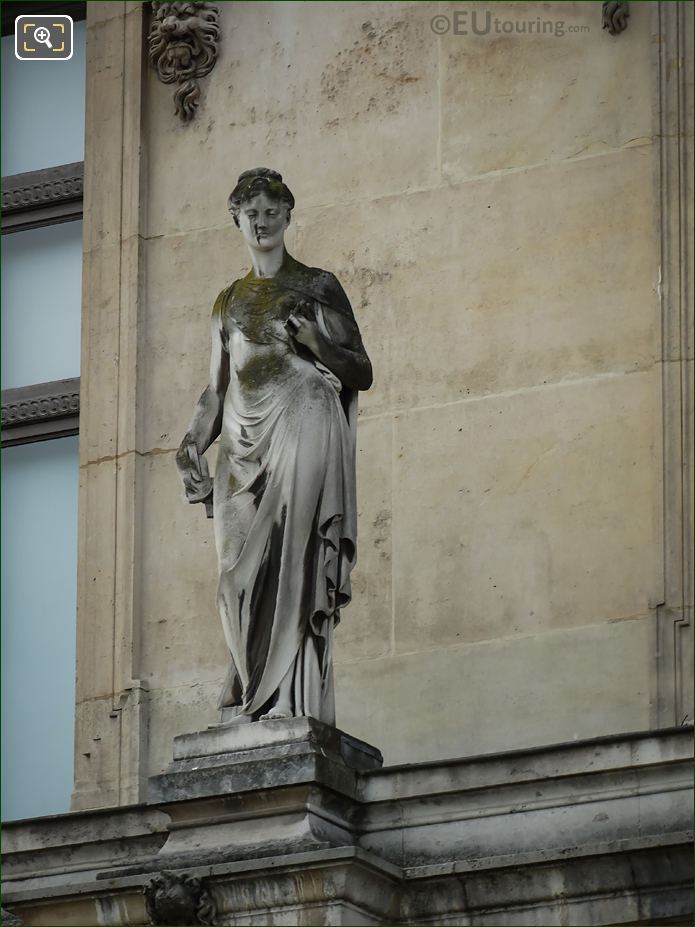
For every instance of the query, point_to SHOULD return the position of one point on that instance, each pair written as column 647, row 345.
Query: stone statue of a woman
column 287, row 362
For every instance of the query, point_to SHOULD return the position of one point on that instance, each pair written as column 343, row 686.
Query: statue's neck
column 268, row 263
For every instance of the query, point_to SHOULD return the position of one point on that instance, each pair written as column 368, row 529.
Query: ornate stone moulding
column 45, row 197
column 40, row 411
column 42, row 189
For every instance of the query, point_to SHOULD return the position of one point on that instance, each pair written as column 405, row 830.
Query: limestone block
column 322, row 91
column 97, row 741
column 532, row 510
column 103, row 112
column 95, row 599
column 173, row 709
column 102, row 11
column 182, row 640
column 533, row 97
column 500, row 283
column 99, row 363
column 499, row 695
column 366, row 624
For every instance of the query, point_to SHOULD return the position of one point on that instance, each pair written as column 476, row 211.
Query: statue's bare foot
column 275, row 714
column 234, row 721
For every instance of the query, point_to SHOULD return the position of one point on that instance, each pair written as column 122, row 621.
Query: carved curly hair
column 255, row 181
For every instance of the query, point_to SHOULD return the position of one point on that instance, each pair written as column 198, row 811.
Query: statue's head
column 261, row 206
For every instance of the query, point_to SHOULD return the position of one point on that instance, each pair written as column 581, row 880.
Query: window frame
column 41, row 411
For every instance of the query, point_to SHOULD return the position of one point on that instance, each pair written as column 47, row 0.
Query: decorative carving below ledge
column 40, row 411
column 8, row 919
column 42, row 197
column 171, row 898
column 615, row 16
column 183, row 48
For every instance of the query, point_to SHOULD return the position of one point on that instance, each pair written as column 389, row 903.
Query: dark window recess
column 11, row 10
column 30, row 200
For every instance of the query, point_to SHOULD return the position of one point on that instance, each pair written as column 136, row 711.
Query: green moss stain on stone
column 259, row 310
column 220, row 302
column 259, row 370
column 257, row 305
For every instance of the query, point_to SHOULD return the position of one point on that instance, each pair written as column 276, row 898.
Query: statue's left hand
column 305, row 331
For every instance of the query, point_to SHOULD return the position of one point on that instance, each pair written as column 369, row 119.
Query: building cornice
column 40, row 411
column 44, row 197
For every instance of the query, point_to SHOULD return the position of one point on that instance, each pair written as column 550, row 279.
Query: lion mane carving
column 615, row 16
column 176, row 898
column 182, row 45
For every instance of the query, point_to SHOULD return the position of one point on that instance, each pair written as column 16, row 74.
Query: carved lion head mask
column 183, row 48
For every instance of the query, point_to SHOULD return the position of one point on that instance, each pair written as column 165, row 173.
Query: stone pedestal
column 230, row 759
column 258, row 790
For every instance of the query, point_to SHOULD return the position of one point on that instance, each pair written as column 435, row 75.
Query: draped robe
column 284, row 490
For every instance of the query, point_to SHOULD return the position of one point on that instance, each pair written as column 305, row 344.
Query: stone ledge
column 636, row 886
column 349, row 886
column 541, row 857
column 457, row 842
column 626, row 751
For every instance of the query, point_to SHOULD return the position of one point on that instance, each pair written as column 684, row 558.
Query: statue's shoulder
column 223, row 299
column 314, row 275
column 324, row 286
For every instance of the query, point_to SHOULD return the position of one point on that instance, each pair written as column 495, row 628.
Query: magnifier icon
column 42, row 35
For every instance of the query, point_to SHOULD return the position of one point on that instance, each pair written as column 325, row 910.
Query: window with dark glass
column 42, row 170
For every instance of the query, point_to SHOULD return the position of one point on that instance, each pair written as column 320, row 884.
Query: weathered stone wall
column 593, row 832
column 492, row 206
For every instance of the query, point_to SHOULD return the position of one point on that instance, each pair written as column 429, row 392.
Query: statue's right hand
column 186, row 455
column 194, row 472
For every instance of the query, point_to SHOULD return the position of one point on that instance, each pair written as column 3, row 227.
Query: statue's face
column 263, row 221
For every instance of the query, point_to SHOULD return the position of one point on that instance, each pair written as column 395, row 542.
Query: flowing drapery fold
column 284, row 491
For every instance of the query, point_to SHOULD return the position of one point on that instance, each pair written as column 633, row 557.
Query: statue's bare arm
column 205, row 426
column 207, row 417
